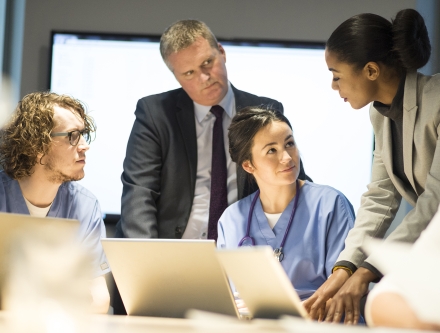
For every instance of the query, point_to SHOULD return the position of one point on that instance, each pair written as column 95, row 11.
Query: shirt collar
column 227, row 103
column 395, row 110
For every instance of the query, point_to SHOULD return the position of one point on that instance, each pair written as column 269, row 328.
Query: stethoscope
column 278, row 252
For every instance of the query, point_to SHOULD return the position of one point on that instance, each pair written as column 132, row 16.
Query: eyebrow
column 71, row 129
column 274, row 143
column 333, row 70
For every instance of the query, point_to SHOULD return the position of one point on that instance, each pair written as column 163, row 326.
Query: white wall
column 308, row 20
column 262, row 19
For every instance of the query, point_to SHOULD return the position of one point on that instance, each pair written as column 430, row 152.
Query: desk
column 201, row 322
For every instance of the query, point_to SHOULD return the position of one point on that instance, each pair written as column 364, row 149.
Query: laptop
column 166, row 278
column 262, row 282
column 12, row 225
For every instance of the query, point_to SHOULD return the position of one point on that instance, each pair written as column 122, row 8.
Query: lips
column 210, row 86
column 288, row 169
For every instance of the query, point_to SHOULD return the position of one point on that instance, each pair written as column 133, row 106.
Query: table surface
column 198, row 322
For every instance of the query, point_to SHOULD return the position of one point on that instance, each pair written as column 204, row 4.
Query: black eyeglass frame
column 85, row 133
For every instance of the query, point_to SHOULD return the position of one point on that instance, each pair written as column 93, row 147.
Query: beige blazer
column 421, row 157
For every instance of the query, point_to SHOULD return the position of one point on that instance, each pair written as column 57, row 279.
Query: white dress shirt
column 197, row 227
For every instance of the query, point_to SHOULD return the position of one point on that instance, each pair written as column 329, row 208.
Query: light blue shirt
column 197, row 226
column 73, row 202
column 322, row 221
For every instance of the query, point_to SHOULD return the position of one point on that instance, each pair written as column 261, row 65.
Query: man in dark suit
column 167, row 169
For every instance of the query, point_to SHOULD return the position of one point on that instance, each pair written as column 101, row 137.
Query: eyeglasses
column 74, row 136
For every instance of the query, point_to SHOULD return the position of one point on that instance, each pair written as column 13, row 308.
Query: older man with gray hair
column 178, row 176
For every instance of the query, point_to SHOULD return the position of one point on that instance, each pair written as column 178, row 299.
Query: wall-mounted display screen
column 109, row 73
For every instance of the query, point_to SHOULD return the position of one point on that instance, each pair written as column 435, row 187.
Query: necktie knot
column 217, row 111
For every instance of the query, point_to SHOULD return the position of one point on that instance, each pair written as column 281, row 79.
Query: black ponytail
column 402, row 44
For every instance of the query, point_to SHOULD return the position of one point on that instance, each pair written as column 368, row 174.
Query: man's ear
column 222, row 51
column 247, row 166
column 372, row 70
column 39, row 158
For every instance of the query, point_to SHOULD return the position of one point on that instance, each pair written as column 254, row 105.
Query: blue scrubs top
column 322, row 221
column 73, row 202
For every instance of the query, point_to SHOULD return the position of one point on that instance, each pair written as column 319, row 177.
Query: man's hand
column 316, row 304
column 347, row 299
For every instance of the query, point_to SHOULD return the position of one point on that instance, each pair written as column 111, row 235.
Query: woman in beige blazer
column 375, row 60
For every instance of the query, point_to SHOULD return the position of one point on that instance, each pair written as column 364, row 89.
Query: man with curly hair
column 43, row 152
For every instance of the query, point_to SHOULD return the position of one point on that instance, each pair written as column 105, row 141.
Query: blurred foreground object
column 410, row 283
column 47, row 280
column 6, row 106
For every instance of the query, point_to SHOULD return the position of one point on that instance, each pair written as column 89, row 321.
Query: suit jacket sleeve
column 141, row 177
column 427, row 204
column 380, row 203
column 378, row 208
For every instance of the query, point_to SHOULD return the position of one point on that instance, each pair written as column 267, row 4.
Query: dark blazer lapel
column 186, row 120
column 409, row 121
column 240, row 102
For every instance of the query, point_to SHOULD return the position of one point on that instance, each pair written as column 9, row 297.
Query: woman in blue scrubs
column 305, row 223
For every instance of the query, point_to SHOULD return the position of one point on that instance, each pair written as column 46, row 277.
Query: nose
column 204, row 76
column 82, row 144
column 335, row 85
column 285, row 157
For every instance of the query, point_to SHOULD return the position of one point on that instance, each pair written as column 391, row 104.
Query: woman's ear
column 247, row 166
column 372, row 70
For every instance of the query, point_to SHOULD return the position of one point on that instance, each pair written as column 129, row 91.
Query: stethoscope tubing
column 251, row 211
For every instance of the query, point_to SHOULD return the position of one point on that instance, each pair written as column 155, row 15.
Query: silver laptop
column 12, row 225
column 261, row 282
column 165, row 278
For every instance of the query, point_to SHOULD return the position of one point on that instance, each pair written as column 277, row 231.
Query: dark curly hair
column 28, row 132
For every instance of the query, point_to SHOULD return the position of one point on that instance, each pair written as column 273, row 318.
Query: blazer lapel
column 387, row 149
column 185, row 119
column 240, row 102
column 409, row 120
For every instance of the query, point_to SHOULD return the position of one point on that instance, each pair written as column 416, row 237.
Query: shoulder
column 325, row 194
column 428, row 84
column 162, row 107
column 77, row 192
column 5, row 179
column 166, row 97
column 240, row 207
column 427, row 97
column 320, row 190
column 244, row 99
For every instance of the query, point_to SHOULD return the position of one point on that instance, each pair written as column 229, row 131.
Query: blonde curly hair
column 27, row 134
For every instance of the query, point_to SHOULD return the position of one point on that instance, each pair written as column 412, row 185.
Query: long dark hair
column 402, row 44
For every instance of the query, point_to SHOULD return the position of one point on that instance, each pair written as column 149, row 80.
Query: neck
column 275, row 199
column 38, row 190
column 387, row 88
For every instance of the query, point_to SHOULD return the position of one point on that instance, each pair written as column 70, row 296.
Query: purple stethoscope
column 278, row 252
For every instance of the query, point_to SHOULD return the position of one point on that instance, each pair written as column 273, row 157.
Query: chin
column 357, row 107
column 59, row 177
